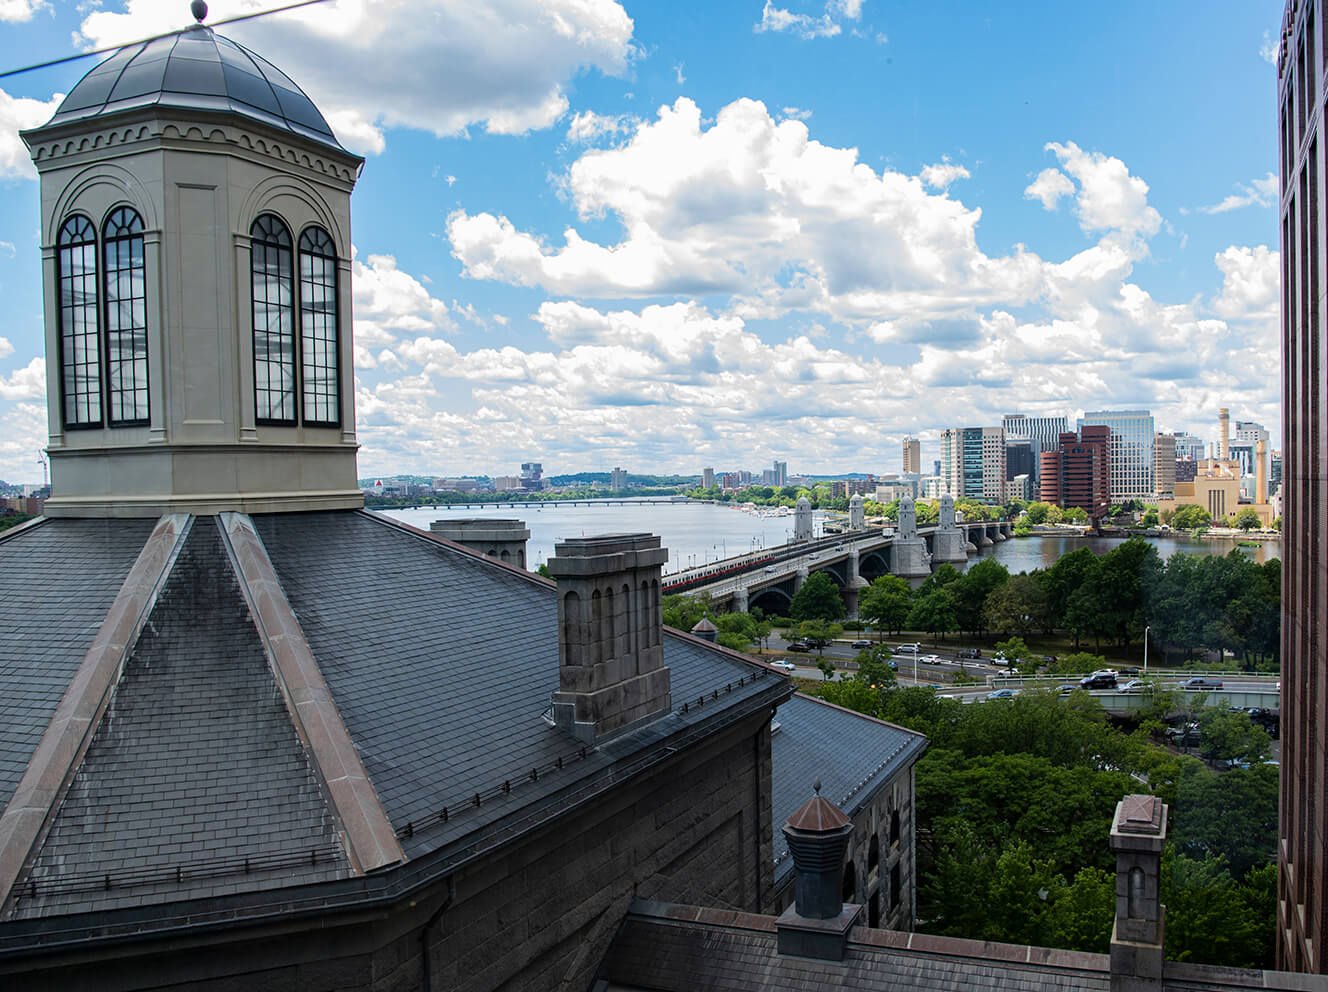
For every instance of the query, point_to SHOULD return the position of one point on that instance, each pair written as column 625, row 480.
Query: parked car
column 1136, row 685
column 787, row 666
column 1200, row 682
column 860, row 645
column 1098, row 680
column 799, row 647
column 1003, row 694
column 970, row 652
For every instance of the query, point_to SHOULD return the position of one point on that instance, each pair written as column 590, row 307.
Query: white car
column 787, row 666
column 930, row 659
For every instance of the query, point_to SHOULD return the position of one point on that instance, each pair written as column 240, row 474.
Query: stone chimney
column 611, row 672
column 1224, row 422
column 503, row 539
column 818, row 922
column 1138, row 834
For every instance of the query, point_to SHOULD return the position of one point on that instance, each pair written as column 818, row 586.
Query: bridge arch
column 771, row 600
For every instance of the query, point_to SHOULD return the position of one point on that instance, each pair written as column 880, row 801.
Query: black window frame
column 263, row 237
column 316, row 244
column 129, row 228
column 88, row 245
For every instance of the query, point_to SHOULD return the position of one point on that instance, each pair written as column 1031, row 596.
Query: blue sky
column 662, row 236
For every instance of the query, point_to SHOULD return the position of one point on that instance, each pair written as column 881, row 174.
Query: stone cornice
column 54, row 146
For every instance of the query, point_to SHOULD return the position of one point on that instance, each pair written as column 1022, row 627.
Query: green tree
column 1230, row 735
column 1212, row 918
column 1018, row 606
column 971, row 590
column 933, row 612
column 818, row 633
column 1075, row 515
column 886, row 603
column 1191, row 517
column 874, row 667
column 1016, row 652
column 818, row 599
column 1248, row 519
column 1230, row 814
column 1037, row 513
column 682, row 611
column 827, row 669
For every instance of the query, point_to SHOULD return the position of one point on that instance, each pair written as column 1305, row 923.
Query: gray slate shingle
column 195, row 765
column 57, row 580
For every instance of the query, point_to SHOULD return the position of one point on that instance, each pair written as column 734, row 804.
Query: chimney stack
column 611, row 672
column 1261, row 471
column 818, row 922
column 1138, row 834
column 1224, row 420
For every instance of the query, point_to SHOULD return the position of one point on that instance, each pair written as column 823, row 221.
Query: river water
column 696, row 533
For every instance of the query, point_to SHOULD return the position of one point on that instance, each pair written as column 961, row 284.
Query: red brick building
column 1078, row 471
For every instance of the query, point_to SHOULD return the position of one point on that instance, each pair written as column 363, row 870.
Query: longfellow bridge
column 769, row 578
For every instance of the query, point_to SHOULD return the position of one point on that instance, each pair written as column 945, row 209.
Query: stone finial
column 1138, row 834
column 199, row 9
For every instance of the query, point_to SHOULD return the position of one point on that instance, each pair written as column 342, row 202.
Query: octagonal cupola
column 195, row 223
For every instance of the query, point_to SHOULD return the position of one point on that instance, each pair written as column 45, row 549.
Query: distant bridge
column 769, row 578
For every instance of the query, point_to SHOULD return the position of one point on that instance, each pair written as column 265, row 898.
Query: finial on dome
column 199, row 9
column 816, row 786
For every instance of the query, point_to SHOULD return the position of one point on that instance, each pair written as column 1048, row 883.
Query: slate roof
column 196, row 784
column 57, row 580
column 196, row 69
column 668, row 948
column 442, row 664
column 195, row 768
column 851, row 754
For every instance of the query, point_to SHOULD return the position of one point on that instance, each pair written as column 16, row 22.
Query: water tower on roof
column 195, row 229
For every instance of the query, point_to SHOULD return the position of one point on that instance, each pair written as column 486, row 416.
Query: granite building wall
column 537, row 912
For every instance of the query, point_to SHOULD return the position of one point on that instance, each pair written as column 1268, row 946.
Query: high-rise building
column 973, row 463
column 1189, row 446
column 1164, row 465
column 1303, row 825
column 781, row 473
column 707, row 478
column 1046, row 431
column 532, row 475
column 618, row 479
column 1021, row 457
column 1132, row 434
column 1077, row 472
column 1248, row 430
column 912, row 456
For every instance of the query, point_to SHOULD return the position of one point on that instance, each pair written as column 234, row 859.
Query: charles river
column 696, row 533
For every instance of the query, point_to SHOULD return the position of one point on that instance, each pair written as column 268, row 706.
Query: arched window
column 849, row 889
column 318, row 328
column 80, row 343
column 126, row 299
column 273, row 321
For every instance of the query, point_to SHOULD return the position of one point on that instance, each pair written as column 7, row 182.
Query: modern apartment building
column 912, row 456
column 1303, row 827
column 973, row 463
column 1077, row 472
column 1189, row 446
column 618, row 479
column 781, row 474
column 1132, row 434
column 707, row 478
column 1164, row 465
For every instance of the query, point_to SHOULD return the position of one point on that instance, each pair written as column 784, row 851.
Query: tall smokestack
column 1261, row 471
column 1224, row 419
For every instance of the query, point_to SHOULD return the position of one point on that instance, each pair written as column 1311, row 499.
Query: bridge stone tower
column 949, row 542
column 802, row 520
column 911, row 559
column 855, row 584
column 857, row 513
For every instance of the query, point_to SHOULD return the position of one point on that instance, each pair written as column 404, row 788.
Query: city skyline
column 671, row 239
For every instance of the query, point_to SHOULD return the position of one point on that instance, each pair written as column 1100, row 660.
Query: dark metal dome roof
column 196, row 69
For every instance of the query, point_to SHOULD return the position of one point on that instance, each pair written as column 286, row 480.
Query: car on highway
column 1003, row 694
column 970, row 653
column 798, row 646
column 1128, row 670
column 1102, row 679
column 1136, row 685
column 907, row 649
column 787, row 666
column 1200, row 682
column 1067, row 688
column 929, row 659
column 860, row 645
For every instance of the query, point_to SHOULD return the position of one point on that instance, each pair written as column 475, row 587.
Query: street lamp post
column 1146, row 630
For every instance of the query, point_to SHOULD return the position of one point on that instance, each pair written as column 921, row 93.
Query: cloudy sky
column 668, row 235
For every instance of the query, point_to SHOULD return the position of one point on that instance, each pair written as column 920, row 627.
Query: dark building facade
column 1078, row 472
column 1303, row 858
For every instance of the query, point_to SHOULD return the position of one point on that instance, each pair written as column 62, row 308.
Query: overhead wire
column 156, row 37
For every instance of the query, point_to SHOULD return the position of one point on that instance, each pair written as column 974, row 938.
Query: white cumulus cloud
column 1258, row 193
column 17, row 114
column 20, row 10
column 828, row 24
